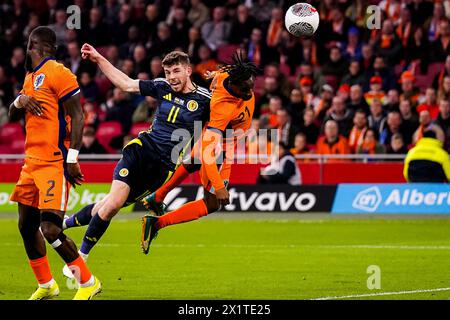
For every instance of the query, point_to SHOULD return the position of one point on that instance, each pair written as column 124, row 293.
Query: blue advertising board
column 422, row 198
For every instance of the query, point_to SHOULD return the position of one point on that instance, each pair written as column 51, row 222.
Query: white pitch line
column 382, row 294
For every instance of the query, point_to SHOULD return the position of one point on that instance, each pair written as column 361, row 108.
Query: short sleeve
column 64, row 83
column 148, row 88
column 151, row 87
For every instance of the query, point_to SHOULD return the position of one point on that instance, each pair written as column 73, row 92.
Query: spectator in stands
column 309, row 127
column 198, row 14
column 306, row 91
column 432, row 25
column 286, row 130
column 336, row 65
column 282, row 169
column 356, row 137
column 95, row 28
column 392, row 100
column 59, row 27
column 388, row 44
column 440, row 48
column 439, row 78
column 274, row 31
column 300, row 145
column 126, row 49
column 443, row 120
column 269, row 119
column 407, row 80
column 156, row 68
column 164, row 42
column 149, row 23
column 397, row 145
column 256, row 48
column 91, row 117
column 370, row 144
column 195, row 42
column 410, row 119
column 354, row 74
column 444, row 89
column 423, row 165
column 88, row 87
column 242, row 26
column 180, row 26
column 404, row 29
column 368, row 57
column 16, row 66
column 296, row 106
column 141, row 62
column 120, row 110
column 352, row 49
column 427, row 124
column 393, row 126
column 376, row 91
column 144, row 111
column 262, row 10
column 216, row 32
column 324, row 103
column 332, row 142
column 336, row 29
column 122, row 25
column 420, row 11
column 273, row 70
column 380, row 69
column 271, row 88
column 416, row 51
column 342, row 116
column 90, row 143
column 357, row 100
column 206, row 63
column 344, row 92
column 377, row 117
column 127, row 67
column 430, row 103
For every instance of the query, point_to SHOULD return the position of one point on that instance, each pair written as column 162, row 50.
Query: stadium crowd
column 349, row 89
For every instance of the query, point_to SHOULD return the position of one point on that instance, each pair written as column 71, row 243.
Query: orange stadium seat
column 106, row 132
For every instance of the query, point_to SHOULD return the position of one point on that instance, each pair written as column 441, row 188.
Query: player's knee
column 109, row 209
column 211, row 204
column 27, row 229
column 51, row 226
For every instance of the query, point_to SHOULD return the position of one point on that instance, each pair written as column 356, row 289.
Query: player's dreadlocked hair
column 240, row 69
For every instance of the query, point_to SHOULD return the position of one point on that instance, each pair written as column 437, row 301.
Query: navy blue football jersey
column 174, row 111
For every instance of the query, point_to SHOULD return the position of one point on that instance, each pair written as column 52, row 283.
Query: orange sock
column 178, row 176
column 41, row 269
column 80, row 270
column 190, row 211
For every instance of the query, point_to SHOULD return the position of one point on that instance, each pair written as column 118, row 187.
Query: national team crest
column 192, row 105
column 123, row 172
column 38, row 81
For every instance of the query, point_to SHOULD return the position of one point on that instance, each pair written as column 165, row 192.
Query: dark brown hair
column 175, row 57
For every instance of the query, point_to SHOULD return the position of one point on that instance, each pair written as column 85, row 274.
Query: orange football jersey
column 48, row 135
column 228, row 111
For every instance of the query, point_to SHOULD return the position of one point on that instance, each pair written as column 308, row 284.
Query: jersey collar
column 43, row 62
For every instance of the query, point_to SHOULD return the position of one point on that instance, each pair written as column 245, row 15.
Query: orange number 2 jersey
column 48, row 135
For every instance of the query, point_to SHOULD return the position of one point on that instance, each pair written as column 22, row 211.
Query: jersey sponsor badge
column 192, row 105
column 178, row 101
column 38, row 81
column 123, row 172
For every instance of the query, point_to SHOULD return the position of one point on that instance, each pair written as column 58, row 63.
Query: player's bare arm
column 22, row 104
column 72, row 107
column 117, row 77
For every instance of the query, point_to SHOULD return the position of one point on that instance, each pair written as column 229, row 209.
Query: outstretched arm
column 117, row 77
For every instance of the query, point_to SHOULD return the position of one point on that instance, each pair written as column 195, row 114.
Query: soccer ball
column 302, row 19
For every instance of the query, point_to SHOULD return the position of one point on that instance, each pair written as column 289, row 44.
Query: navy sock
column 81, row 218
column 94, row 232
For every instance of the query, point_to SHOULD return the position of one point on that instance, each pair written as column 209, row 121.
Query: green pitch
column 244, row 258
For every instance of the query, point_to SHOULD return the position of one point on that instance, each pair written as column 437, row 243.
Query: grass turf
column 224, row 258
